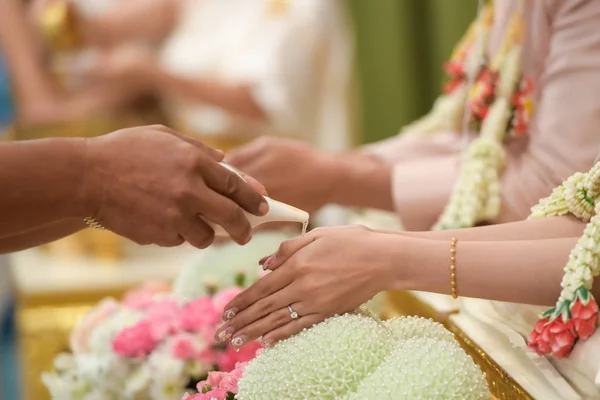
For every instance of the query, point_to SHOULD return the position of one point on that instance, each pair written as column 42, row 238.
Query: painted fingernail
column 238, row 341
column 266, row 344
column 232, row 312
column 225, row 334
column 262, row 260
column 269, row 262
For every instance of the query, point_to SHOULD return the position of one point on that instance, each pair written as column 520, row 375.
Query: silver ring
column 293, row 314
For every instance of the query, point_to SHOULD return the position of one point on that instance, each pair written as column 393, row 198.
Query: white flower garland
column 576, row 312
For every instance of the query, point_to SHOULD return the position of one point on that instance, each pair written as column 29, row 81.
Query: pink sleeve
column 399, row 149
column 564, row 138
column 565, row 134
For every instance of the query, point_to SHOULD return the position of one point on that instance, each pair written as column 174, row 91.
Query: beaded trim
column 92, row 223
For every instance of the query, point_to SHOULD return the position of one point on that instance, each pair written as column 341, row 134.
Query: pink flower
column 135, row 341
column 142, row 297
column 97, row 316
column 199, row 315
column 228, row 360
column 222, row 298
column 213, row 394
column 585, row 317
column 183, row 347
column 164, row 319
column 227, row 382
column 556, row 337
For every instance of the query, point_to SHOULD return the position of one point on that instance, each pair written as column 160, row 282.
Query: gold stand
column 44, row 323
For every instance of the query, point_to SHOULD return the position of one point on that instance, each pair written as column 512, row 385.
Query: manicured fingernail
column 225, row 334
column 262, row 260
column 232, row 312
column 263, row 208
column 238, row 341
column 266, row 344
column 269, row 262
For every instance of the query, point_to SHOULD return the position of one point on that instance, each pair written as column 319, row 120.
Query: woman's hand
column 292, row 171
column 326, row 272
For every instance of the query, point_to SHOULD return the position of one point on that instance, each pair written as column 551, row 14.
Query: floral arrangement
column 148, row 346
column 575, row 316
column 201, row 278
column 354, row 357
column 499, row 103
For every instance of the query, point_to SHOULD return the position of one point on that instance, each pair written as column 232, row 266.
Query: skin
column 347, row 179
column 148, row 184
column 334, row 270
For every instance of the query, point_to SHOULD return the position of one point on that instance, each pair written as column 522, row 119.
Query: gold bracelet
column 92, row 223
column 453, row 268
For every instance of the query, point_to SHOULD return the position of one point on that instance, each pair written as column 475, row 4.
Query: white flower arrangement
column 357, row 357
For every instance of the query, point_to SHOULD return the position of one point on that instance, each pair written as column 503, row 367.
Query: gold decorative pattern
column 501, row 384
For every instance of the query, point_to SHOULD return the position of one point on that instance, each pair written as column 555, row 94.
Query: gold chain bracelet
column 92, row 223
column 453, row 268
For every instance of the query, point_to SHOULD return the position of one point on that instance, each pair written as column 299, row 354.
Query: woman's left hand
column 326, row 272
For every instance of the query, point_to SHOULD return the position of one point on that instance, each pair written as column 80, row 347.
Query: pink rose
column 142, row 297
column 228, row 360
column 183, row 347
column 80, row 336
column 213, row 394
column 135, row 341
column 222, row 298
column 556, row 337
column 584, row 317
column 199, row 315
column 164, row 318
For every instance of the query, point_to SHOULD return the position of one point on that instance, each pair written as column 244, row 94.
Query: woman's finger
column 286, row 250
column 292, row 328
column 263, row 288
column 261, row 309
column 267, row 324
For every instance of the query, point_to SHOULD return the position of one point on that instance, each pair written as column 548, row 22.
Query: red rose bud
column 556, row 337
column 584, row 317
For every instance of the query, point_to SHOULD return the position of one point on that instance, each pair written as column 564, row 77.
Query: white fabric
column 298, row 61
column 580, row 369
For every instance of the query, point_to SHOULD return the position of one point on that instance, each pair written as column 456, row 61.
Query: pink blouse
column 562, row 56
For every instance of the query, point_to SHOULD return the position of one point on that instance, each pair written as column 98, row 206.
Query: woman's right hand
column 151, row 185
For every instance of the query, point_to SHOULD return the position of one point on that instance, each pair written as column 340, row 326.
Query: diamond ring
column 293, row 314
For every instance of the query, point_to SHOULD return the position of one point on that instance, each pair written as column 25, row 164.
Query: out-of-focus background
column 338, row 73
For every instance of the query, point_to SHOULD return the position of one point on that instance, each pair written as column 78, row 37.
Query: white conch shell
column 278, row 212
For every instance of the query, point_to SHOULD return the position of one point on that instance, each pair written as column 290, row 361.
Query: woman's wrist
column 414, row 263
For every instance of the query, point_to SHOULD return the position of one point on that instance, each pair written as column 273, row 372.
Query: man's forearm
column 40, row 236
column 42, row 181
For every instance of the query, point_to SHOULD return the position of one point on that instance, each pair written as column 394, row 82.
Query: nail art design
column 229, row 314
column 238, row 341
column 266, row 344
column 226, row 334
column 269, row 262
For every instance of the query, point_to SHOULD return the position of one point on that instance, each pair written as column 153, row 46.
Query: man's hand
column 152, row 185
column 292, row 171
